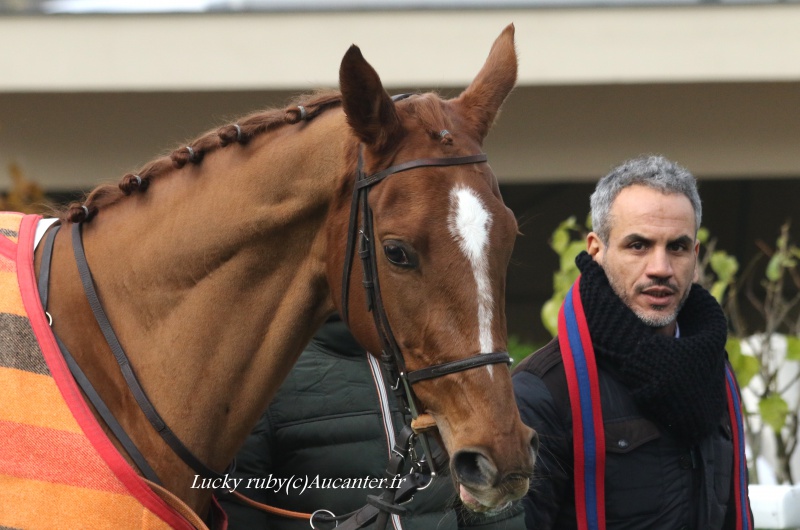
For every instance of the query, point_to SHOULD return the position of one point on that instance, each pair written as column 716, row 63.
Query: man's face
column 651, row 256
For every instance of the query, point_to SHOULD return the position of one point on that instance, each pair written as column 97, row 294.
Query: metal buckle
column 311, row 519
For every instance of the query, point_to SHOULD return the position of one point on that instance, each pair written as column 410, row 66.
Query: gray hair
column 652, row 171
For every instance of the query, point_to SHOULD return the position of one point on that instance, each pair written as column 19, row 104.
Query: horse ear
column 482, row 99
column 369, row 109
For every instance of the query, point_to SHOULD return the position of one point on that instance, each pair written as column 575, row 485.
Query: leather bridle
column 391, row 354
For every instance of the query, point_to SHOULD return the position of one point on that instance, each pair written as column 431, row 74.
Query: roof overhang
column 445, row 48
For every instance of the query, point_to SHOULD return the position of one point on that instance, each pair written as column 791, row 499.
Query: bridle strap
column 363, row 182
column 438, row 370
column 127, row 370
column 80, row 377
column 420, row 162
column 367, row 252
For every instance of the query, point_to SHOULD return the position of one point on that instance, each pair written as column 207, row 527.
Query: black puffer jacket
column 327, row 421
column 651, row 481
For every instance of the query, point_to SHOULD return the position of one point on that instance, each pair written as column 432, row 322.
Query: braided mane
column 302, row 108
column 425, row 107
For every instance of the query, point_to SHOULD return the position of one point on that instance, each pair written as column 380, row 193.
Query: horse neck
column 214, row 280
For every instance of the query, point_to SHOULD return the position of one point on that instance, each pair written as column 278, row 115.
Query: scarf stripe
column 587, row 416
column 739, row 458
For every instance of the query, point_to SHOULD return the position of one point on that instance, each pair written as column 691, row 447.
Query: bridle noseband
column 392, row 354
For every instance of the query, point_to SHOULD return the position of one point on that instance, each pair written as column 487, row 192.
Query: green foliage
column 793, row 348
column 703, row 235
column 519, row 349
column 745, row 366
column 725, row 267
column 774, row 411
column 568, row 240
column 783, row 259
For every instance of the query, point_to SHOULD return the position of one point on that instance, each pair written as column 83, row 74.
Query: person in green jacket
column 330, row 427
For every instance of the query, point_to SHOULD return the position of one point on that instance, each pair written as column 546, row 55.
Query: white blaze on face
column 469, row 222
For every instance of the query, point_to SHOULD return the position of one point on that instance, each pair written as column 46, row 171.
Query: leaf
column 562, row 281
column 702, row 235
column 783, row 239
column 718, row 291
column 570, row 253
column 724, row 266
column 560, row 240
column 734, row 347
column 550, row 311
column 793, row 347
column 519, row 349
column 570, row 223
column 773, row 410
column 774, row 268
column 745, row 366
column 561, row 235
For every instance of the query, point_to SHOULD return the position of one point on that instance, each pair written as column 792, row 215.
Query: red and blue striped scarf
column 583, row 385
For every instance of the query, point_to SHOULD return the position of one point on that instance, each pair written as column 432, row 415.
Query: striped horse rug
column 57, row 467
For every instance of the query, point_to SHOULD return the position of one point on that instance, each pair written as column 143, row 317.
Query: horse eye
column 397, row 255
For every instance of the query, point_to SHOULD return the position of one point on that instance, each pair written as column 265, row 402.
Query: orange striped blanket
column 57, row 467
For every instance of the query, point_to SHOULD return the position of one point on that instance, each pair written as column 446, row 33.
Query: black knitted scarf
column 677, row 382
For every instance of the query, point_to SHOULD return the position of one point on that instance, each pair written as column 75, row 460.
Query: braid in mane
column 428, row 109
column 303, row 108
column 300, row 109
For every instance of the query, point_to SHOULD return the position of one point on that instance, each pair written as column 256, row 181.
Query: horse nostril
column 535, row 443
column 473, row 468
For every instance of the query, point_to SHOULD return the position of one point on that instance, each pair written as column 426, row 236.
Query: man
column 634, row 401
column 332, row 425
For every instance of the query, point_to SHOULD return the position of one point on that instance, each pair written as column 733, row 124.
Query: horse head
column 440, row 238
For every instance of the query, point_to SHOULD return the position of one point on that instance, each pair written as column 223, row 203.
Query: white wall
column 299, row 51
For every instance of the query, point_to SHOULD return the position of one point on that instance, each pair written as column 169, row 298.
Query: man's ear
column 595, row 247
column 696, row 277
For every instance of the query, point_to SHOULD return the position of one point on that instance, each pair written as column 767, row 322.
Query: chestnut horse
column 215, row 266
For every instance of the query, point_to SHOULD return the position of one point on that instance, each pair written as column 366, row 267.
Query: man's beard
column 654, row 321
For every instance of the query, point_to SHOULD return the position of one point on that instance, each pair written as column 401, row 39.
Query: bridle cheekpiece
column 364, row 233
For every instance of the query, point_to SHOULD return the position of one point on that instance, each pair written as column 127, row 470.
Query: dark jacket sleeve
column 551, row 485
